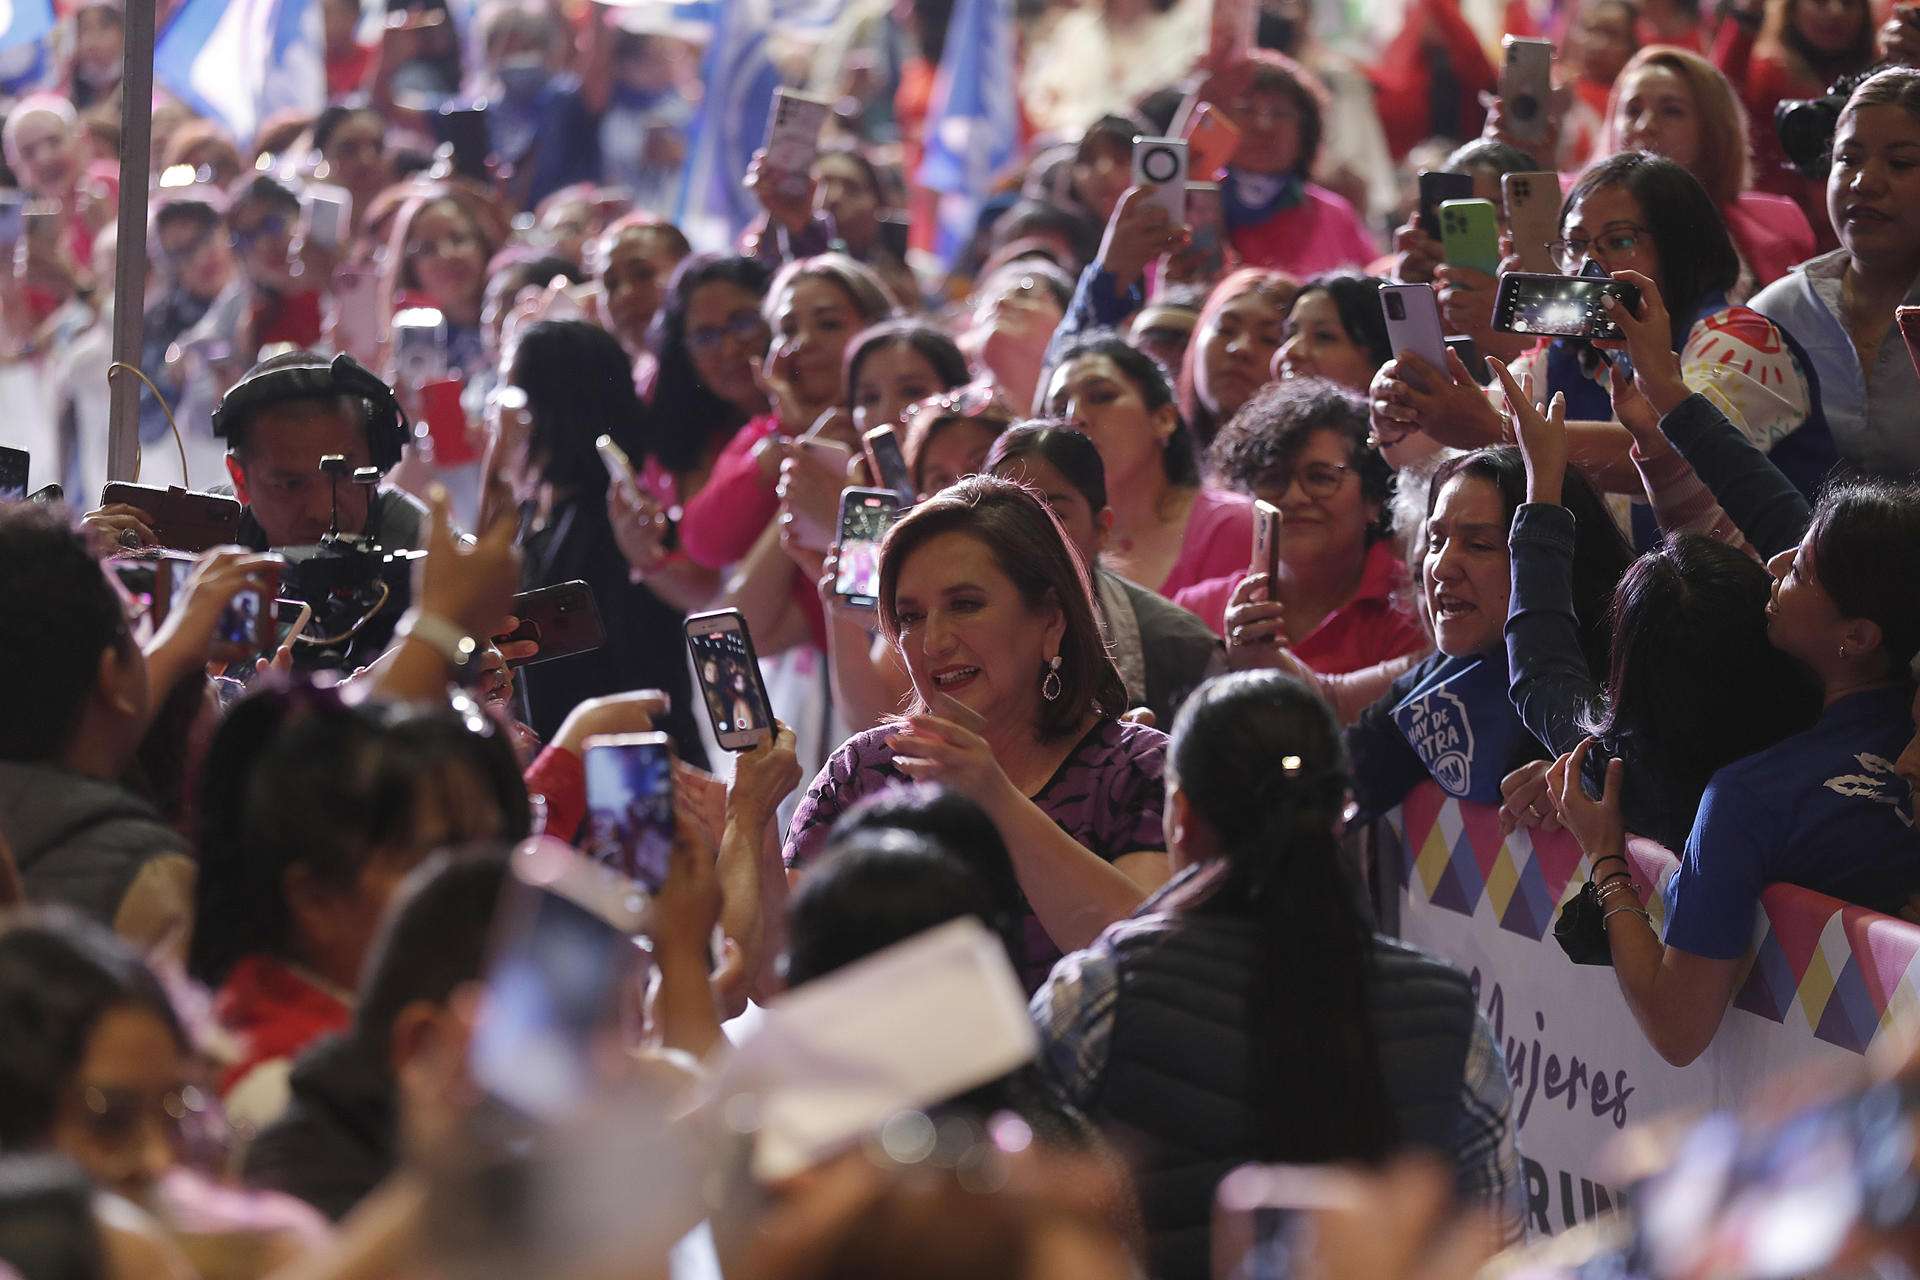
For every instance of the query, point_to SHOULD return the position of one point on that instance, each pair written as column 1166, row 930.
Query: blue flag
column 240, row 61
column 25, row 21
column 973, row 125
column 730, row 125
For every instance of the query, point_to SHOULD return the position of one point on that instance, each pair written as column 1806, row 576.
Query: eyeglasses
column 748, row 328
column 113, row 1116
column 1610, row 245
column 1317, row 479
column 975, row 400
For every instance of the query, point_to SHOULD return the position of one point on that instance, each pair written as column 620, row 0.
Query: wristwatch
column 445, row 638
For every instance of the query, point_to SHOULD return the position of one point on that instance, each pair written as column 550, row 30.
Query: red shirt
column 1321, row 233
column 1377, row 624
column 275, row 1011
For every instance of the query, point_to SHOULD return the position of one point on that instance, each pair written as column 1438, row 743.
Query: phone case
column 1470, row 231
column 889, row 463
column 1160, row 169
column 1266, row 540
column 793, row 135
column 718, row 622
column 563, row 619
column 1412, row 312
column 1437, row 186
column 1526, row 87
column 446, row 422
column 183, row 520
column 1533, row 218
column 1212, row 141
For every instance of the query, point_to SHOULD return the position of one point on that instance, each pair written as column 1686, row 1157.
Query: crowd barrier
column 1825, row 979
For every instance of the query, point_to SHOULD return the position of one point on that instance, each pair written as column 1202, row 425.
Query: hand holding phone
column 793, row 138
column 865, row 517
column 563, row 619
column 1160, row 168
column 1557, row 306
column 729, row 674
column 1526, row 88
column 1412, row 313
column 888, row 463
column 630, row 824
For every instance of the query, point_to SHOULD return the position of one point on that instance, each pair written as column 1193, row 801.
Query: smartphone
column 1412, row 312
column 167, row 583
column 419, row 349
column 1266, row 542
column 13, row 218
column 443, row 420
column 835, row 454
column 865, row 517
column 327, row 213
column 13, row 473
column 729, row 672
column 1212, row 141
column 889, row 463
column 1557, row 306
column 40, row 220
column 181, row 519
column 1160, row 169
column 1470, row 232
column 290, row 620
column 48, row 493
column 1261, row 1220
column 619, row 466
column 1908, row 319
column 246, row 624
column 1206, row 219
column 563, row 620
column 1526, row 87
column 356, row 315
column 630, row 805
column 1437, row 186
column 793, row 137
column 464, row 131
column 1533, row 218
column 563, row 950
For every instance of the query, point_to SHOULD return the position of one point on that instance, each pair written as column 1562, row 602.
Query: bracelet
column 448, row 639
column 1606, row 880
column 1620, row 858
column 1637, row 911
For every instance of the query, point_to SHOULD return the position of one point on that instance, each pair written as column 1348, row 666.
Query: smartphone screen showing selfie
column 562, row 949
column 630, row 805
column 729, row 673
column 243, row 623
column 865, row 517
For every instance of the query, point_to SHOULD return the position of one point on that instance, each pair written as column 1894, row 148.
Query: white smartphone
column 1533, row 218
column 563, row 950
column 327, row 211
column 1526, row 87
column 1266, row 542
column 793, row 136
column 419, row 349
column 619, row 466
column 1413, row 322
column 730, row 684
column 290, row 619
column 1160, row 168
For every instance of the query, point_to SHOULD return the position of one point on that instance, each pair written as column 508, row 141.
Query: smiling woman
column 1015, row 705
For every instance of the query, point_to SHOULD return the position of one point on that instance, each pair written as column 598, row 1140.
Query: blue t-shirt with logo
column 1822, row 809
column 1448, row 719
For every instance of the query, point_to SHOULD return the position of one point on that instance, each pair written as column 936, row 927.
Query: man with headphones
column 286, row 414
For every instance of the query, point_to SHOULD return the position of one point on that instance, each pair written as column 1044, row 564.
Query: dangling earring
column 1050, row 683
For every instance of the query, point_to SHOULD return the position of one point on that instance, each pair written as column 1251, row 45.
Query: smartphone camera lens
column 1160, row 164
column 1396, row 307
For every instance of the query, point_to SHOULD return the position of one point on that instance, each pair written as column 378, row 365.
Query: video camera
column 356, row 588
column 1806, row 125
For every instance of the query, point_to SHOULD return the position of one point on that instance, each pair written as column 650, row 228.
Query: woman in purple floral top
column 1015, row 705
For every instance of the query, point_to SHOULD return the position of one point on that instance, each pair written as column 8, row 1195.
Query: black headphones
column 388, row 429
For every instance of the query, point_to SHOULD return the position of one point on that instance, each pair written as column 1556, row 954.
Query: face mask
column 522, row 78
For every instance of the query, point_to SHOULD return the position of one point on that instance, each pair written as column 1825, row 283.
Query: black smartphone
column 13, row 474
column 465, row 130
column 47, row 494
column 865, row 517
column 729, row 673
column 1554, row 306
column 889, row 463
column 562, row 951
column 1436, row 187
column 630, row 805
column 562, row 619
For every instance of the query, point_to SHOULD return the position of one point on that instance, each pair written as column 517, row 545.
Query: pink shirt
column 1218, row 540
column 1376, row 625
column 1771, row 232
column 718, row 525
column 1321, row 233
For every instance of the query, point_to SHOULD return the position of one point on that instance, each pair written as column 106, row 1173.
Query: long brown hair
column 1028, row 545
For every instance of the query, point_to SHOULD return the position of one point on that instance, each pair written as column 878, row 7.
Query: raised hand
column 1543, row 436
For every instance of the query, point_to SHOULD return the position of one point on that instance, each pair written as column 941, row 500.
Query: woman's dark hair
column 1823, row 67
column 434, row 939
column 1865, row 536
column 877, row 886
column 1484, row 153
column 1178, row 458
column 932, row 344
column 1260, row 758
column 1263, row 440
column 331, row 118
column 1356, row 299
column 61, row 615
column 1690, row 647
column 59, row 975
column 1110, row 132
column 1028, row 545
column 1270, row 71
column 954, row 824
column 869, row 171
column 1276, row 288
column 685, row 415
column 579, row 386
column 296, row 779
column 1600, row 551
column 1064, row 447
column 1697, row 257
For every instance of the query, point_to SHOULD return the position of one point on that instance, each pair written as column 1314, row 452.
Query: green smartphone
column 1470, row 233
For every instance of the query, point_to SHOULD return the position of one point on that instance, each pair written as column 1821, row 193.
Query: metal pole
column 130, row 250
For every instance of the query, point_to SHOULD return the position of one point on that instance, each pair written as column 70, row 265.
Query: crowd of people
column 461, row 462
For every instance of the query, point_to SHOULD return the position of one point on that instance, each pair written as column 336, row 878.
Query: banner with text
column 1825, row 979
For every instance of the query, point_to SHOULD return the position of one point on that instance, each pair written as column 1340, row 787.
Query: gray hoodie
column 80, row 842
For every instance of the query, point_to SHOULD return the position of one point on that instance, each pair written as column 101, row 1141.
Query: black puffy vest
column 1174, row 1095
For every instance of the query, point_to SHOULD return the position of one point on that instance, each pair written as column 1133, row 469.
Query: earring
column 1050, row 683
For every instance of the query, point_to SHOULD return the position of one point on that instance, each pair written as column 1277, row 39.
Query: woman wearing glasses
column 1640, row 212
column 1342, row 599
